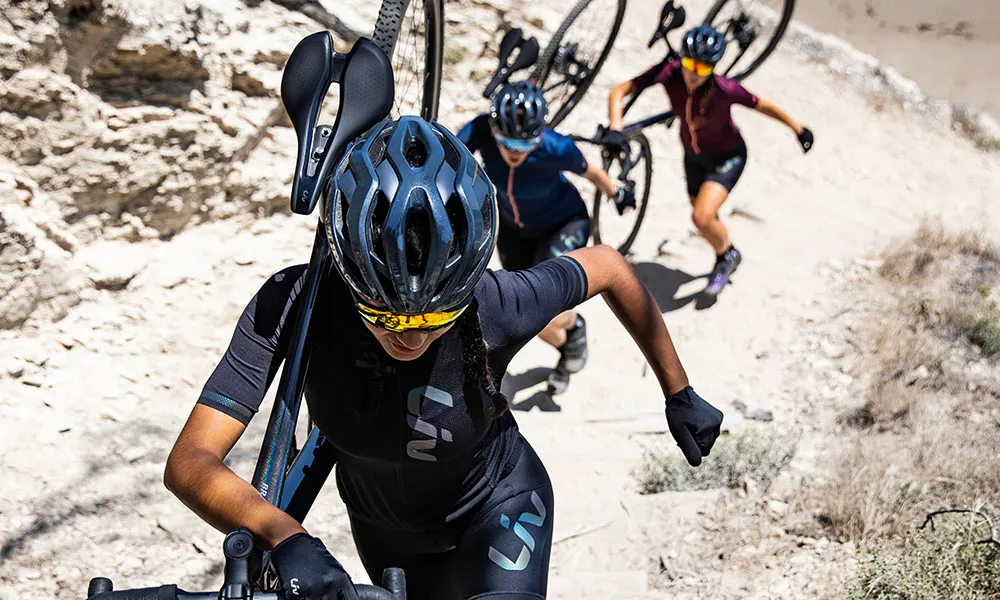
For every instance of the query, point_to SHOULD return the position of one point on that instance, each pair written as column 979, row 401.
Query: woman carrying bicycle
column 715, row 153
column 541, row 213
column 409, row 334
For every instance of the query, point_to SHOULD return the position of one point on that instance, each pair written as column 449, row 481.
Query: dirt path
column 98, row 397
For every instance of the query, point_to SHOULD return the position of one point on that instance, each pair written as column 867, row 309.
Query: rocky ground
column 144, row 176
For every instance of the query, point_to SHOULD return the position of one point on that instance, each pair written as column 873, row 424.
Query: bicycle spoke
column 616, row 229
column 408, row 60
column 579, row 51
column 743, row 28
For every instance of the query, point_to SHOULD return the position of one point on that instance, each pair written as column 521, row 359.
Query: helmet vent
column 418, row 240
column 379, row 213
column 416, row 152
column 456, row 216
column 376, row 149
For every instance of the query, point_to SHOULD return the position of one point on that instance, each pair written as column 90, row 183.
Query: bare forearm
column 773, row 111
column 615, row 109
column 600, row 178
column 610, row 275
column 224, row 500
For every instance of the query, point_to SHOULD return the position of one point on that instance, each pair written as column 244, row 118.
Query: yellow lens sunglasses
column 398, row 322
column 697, row 66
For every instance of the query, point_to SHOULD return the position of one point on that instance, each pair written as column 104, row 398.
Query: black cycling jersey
column 417, row 447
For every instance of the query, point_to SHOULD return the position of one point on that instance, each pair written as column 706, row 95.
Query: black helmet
column 704, row 43
column 397, row 176
column 508, row 102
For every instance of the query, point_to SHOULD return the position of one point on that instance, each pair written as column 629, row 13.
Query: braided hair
column 476, row 352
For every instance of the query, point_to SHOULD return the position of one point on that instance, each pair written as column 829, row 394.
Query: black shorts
column 524, row 248
column 722, row 167
column 500, row 551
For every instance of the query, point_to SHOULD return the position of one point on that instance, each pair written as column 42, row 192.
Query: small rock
column 831, row 350
column 32, row 381
column 134, row 454
column 113, row 265
column 109, row 415
column 30, row 574
column 66, row 341
column 777, row 507
column 203, row 546
column 921, row 372
column 261, row 227
column 15, row 369
column 667, row 567
column 751, row 487
column 759, row 414
column 783, row 487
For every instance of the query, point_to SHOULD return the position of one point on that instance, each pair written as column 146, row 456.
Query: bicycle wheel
column 573, row 58
column 411, row 32
column 751, row 31
column 609, row 227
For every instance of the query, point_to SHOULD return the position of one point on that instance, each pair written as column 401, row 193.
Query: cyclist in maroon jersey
column 714, row 151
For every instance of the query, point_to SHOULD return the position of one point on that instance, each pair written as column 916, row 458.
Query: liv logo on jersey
column 419, row 449
column 524, row 557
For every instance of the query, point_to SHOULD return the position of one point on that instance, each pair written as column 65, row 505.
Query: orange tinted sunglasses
column 696, row 66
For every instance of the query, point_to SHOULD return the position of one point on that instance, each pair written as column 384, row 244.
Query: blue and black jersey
column 536, row 194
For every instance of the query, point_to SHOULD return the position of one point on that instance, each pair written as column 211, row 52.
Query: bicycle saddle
column 527, row 55
column 366, row 93
column 671, row 17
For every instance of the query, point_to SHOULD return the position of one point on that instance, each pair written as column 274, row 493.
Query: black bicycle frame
column 664, row 117
column 272, row 463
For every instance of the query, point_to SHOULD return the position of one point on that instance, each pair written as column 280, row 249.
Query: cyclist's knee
column 703, row 219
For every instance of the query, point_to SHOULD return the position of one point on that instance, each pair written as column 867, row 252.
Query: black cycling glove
column 625, row 198
column 309, row 572
column 694, row 423
column 614, row 139
column 806, row 139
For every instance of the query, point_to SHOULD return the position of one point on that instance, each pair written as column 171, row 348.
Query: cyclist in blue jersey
column 409, row 338
column 541, row 213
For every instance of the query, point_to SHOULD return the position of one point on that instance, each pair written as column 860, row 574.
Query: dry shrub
column 980, row 325
column 757, row 454
column 943, row 562
column 909, row 260
column 928, row 433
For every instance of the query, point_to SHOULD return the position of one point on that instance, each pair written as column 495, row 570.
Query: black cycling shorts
column 722, row 167
column 500, row 551
column 521, row 248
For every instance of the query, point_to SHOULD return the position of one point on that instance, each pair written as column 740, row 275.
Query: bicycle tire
column 642, row 200
column 786, row 16
column 391, row 19
column 545, row 64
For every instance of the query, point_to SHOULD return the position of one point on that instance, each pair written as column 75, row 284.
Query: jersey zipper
column 690, row 124
column 510, row 196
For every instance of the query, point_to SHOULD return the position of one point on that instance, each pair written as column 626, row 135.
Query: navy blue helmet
column 704, row 43
column 397, row 174
column 519, row 110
